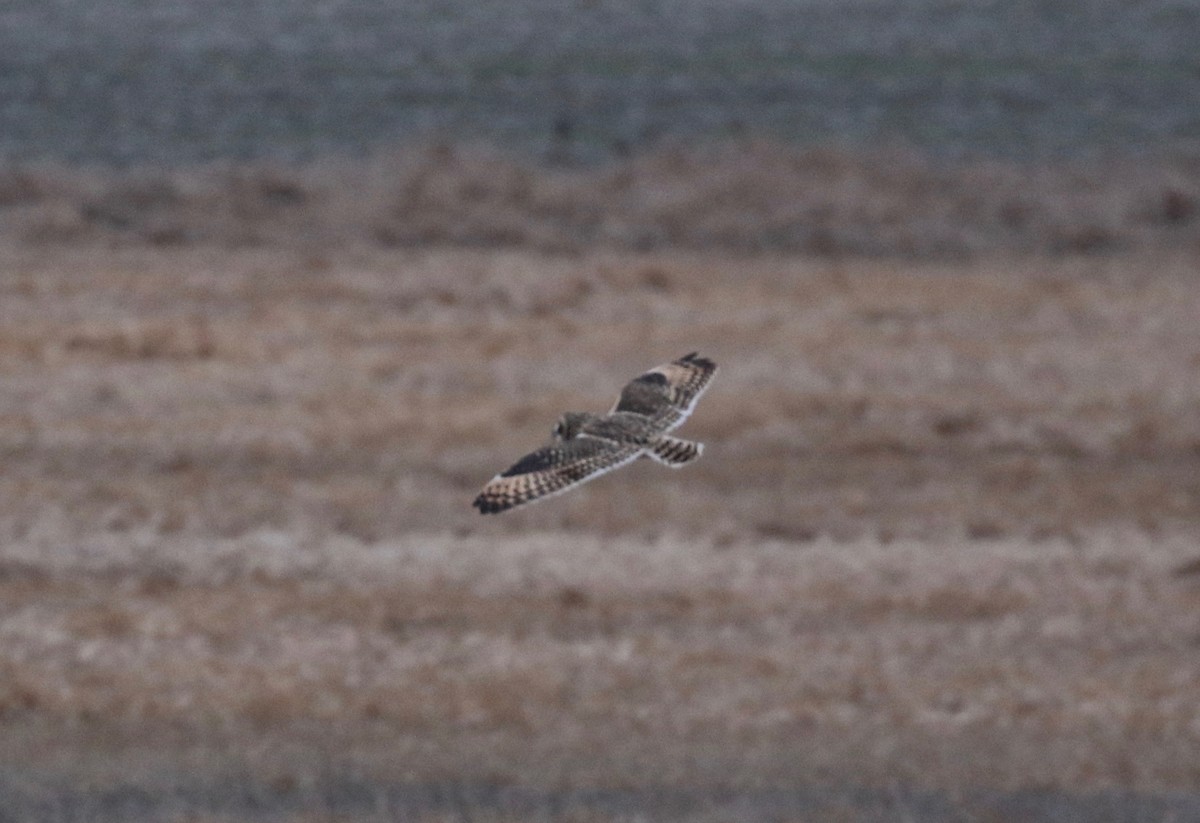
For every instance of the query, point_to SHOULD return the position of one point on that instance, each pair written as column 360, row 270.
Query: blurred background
column 284, row 282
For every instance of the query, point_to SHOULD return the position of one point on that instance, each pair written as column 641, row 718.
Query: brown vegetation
column 747, row 196
column 942, row 538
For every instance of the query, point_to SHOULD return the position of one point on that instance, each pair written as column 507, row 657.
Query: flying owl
column 589, row 445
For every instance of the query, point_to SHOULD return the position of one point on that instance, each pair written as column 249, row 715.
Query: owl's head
column 569, row 425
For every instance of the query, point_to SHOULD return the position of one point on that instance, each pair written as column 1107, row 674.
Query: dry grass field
column 748, row 196
column 939, row 561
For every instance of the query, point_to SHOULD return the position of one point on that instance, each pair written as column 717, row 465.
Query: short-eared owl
column 588, row 445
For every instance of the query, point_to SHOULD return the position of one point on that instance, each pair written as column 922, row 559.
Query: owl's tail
column 673, row 451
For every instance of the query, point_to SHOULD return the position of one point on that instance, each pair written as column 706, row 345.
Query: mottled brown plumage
column 589, row 445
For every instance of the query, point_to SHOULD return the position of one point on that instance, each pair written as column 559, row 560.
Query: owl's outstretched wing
column 553, row 470
column 668, row 393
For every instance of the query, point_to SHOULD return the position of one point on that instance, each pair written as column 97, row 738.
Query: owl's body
column 589, row 445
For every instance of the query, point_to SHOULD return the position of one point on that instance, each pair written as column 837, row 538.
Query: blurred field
column 567, row 676
column 268, row 320
column 745, row 196
column 938, row 561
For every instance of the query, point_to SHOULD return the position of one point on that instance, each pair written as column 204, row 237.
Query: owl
column 588, row 445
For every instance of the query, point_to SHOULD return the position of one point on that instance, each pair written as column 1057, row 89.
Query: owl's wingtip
column 490, row 505
column 696, row 359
